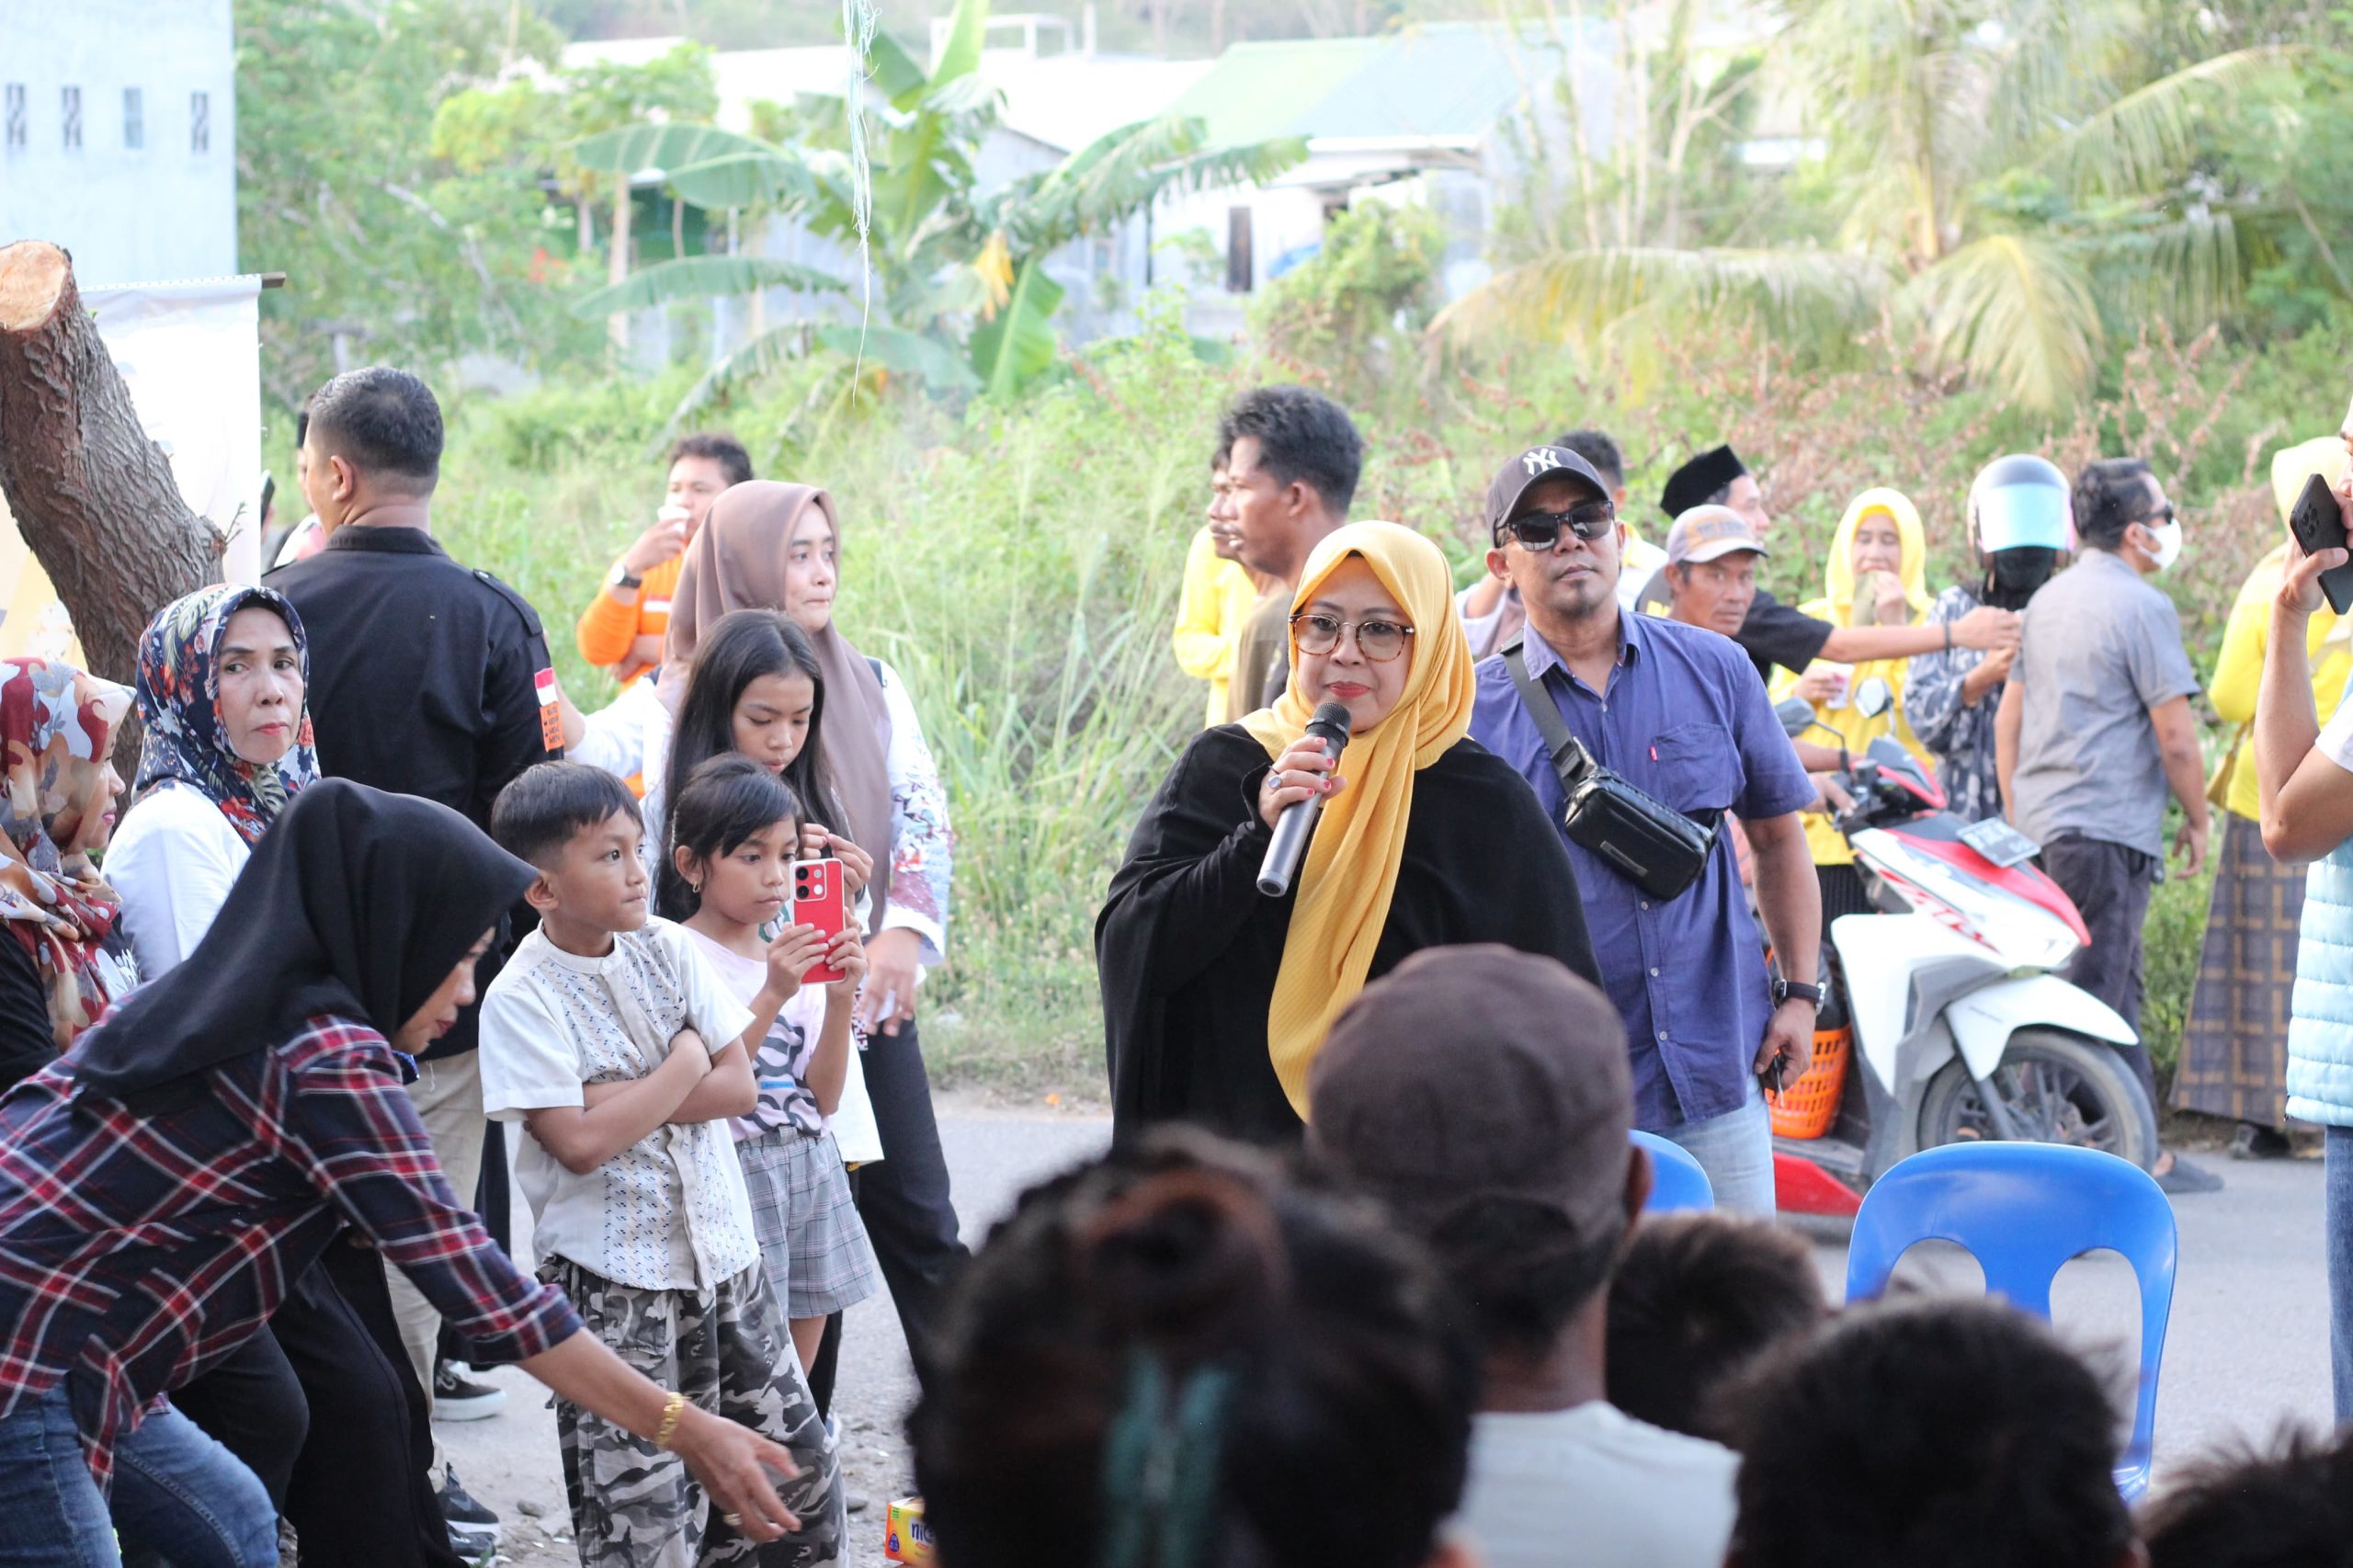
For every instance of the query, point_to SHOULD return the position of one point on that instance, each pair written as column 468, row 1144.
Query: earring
column 695, row 888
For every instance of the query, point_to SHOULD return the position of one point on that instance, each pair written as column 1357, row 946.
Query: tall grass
column 1019, row 567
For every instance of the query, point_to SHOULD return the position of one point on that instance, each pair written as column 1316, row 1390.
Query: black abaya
column 1189, row 949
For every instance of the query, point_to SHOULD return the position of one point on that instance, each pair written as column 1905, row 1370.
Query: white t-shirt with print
column 1592, row 1487
column 669, row 1212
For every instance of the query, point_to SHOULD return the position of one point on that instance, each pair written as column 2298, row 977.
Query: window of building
column 134, row 119
column 70, row 102
column 1238, row 268
column 200, row 123
column 17, row 132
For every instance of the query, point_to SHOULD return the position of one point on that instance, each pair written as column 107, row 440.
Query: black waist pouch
column 1654, row 845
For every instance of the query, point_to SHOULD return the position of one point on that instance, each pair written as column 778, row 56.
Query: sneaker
column 456, row 1397
column 473, row 1529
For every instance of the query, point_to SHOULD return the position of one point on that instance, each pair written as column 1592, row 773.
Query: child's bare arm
column 615, row 1116
column 829, row 1064
column 728, row 1089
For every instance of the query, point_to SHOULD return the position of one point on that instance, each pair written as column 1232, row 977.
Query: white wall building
column 118, row 135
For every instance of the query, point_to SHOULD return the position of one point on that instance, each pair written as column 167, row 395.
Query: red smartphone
column 819, row 899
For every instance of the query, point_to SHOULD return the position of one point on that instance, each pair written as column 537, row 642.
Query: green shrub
column 1019, row 564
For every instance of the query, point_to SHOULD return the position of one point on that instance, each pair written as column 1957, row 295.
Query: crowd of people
column 1366, row 1275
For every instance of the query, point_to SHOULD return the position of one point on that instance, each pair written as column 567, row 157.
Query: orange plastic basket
column 1807, row 1108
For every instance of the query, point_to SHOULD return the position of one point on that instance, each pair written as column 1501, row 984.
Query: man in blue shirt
column 1680, row 713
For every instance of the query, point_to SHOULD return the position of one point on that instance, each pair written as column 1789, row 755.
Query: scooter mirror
column 1796, row 715
column 1872, row 698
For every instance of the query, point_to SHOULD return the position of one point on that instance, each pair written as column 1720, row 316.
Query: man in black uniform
column 1774, row 633
column 427, row 679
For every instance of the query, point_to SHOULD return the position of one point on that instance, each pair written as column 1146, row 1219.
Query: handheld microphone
column 1330, row 726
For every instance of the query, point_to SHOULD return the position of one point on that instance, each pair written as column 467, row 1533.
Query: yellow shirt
column 1216, row 598
column 2238, row 670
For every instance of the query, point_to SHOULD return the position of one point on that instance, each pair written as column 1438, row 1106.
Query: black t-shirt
column 27, row 1044
column 1773, row 633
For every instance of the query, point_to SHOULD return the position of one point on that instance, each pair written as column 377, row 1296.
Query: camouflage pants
column 635, row 1506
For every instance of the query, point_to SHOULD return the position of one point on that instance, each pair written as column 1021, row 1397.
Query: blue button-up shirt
column 1686, row 719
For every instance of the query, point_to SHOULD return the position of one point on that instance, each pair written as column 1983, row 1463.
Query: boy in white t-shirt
column 1509, row 1153
column 607, row 1037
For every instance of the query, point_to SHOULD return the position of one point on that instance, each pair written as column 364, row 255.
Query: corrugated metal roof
column 1440, row 79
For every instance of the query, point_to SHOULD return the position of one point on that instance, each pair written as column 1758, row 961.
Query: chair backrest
column 2023, row 1210
column 1676, row 1179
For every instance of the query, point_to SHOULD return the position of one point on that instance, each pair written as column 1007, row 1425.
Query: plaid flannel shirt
column 135, row 1251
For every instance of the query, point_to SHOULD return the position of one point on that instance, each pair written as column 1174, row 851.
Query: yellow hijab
column 1838, row 573
column 1339, row 917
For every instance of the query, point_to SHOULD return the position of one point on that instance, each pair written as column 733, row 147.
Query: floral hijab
column 57, row 727
column 179, row 701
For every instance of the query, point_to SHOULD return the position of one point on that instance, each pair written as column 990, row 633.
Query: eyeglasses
column 1379, row 641
column 1540, row 531
column 2157, row 519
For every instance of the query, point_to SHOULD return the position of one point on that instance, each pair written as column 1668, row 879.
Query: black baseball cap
column 1533, row 467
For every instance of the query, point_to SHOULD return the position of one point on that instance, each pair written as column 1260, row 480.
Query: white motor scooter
column 1957, row 1027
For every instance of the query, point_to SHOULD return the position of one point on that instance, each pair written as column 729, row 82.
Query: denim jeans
column 176, row 1492
column 1736, row 1151
column 2337, row 1218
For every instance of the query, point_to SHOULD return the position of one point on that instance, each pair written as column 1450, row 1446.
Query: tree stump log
column 93, row 496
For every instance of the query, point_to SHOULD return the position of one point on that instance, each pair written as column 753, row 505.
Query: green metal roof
column 1435, row 79
column 1257, row 91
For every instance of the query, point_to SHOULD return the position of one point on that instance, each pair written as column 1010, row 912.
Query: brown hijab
column 737, row 561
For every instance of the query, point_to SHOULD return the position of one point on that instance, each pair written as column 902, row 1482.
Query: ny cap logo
column 1540, row 460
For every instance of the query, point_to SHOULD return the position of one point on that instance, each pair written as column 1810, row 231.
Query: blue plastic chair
column 1676, row 1180
column 2023, row 1210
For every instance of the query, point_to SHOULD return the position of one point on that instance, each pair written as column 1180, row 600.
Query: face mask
column 2014, row 574
column 2168, row 538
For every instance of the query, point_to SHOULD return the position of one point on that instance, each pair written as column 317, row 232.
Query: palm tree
column 951, row 280
column 2007, row 167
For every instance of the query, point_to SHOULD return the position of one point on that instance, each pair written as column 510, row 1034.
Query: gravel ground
column 2247, row 1351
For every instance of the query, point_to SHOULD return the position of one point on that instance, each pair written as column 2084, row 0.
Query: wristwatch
column 623, row 577
column 1797, row 991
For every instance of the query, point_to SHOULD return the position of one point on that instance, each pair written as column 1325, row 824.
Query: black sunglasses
column 1540, row 531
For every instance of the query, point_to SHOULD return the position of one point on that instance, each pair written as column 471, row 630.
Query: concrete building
column 118, row 135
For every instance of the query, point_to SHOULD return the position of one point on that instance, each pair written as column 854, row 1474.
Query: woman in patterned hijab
column 57, row 727
column 188, row 730
column 223, row 675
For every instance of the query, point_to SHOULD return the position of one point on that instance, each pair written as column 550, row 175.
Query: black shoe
column 473, row 1529
column 459, row 1398
column 2254, row 1142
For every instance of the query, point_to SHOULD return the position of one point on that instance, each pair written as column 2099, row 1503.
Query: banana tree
column 2008, row 170
column 950, row 282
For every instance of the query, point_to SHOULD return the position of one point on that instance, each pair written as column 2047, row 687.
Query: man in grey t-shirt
column 2095, row 729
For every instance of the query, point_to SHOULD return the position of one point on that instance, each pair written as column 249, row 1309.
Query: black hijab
column 357, row 903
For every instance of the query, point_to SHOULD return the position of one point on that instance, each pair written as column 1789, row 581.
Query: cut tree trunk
column 93, row 496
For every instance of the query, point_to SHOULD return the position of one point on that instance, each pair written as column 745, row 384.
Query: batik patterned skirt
column 2234, row 1045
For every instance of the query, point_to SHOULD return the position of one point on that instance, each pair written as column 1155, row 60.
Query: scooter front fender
column 1983, row 1020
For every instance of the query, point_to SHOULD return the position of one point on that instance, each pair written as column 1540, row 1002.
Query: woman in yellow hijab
column 2234, row 1042
column 1877, row 575
column 1216, row 998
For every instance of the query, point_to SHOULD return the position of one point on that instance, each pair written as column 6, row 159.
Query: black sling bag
column 1656, row 847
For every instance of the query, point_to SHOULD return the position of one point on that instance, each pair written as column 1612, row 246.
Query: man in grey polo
column 2095, row 730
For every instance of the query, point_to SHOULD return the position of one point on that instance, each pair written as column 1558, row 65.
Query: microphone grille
column 1331, row 719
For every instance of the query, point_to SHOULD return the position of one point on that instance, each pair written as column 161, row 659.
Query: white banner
column 191, row 355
